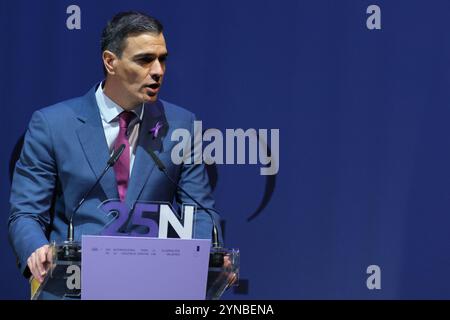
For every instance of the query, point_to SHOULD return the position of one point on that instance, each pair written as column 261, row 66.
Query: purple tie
column 122, row 166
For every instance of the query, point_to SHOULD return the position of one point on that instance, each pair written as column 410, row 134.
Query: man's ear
column 109, row 61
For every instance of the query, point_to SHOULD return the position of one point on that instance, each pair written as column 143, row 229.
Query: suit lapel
column 92, row 138
column 143, row 163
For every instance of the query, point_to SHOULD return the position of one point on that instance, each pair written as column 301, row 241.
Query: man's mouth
column 153, row 85
column 152, row 89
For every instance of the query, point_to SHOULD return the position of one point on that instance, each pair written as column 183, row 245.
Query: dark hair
column 125, row 24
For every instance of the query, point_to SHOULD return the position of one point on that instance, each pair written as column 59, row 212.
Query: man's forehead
column 145, row 42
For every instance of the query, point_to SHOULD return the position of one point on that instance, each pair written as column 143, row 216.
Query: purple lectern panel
column 139, row 268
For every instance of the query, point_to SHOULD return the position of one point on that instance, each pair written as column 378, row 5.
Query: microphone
column 217, row 258
column 111, row 162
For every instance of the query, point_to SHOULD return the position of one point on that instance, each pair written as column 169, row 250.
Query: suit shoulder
column 176, row 112
column 61, row 109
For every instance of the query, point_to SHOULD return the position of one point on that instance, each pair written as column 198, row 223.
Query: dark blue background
column 363, row 116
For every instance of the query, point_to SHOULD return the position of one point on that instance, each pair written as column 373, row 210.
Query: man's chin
column 150, row 98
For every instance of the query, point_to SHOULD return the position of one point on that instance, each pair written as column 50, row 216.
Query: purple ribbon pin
column 155, row 129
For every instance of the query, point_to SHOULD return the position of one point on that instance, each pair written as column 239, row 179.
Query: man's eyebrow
column 149, row 55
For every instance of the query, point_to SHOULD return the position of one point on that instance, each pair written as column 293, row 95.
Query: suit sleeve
column 194, row 179
column 32, row 191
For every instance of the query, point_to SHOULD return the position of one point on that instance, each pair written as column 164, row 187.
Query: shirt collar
column 109, row 110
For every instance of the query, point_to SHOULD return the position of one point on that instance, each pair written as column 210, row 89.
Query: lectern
column 113, row 267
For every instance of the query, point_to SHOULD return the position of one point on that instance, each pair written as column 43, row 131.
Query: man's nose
column 157, row 70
